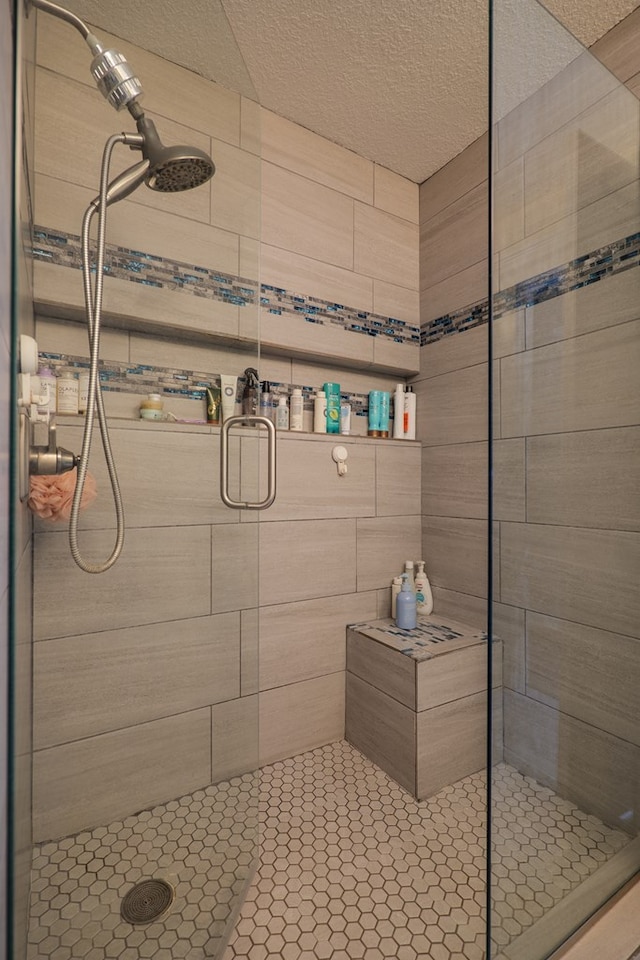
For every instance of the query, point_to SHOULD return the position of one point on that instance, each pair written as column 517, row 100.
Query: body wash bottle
column 424, row 596
column 297, row 410
column 406, row 617
column 409, row 414
column 398, row 412
column 332, row 393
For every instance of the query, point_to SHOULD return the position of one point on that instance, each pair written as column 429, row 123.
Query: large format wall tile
column 602, row 222
column 396, row 194
column 561, row 657
column 595, row 770
column 509, row 627
column 590, row 308
column 589, row 576
column 162, row 574
column 587, row 479
column 154, row 496
column 303, row 559
column 303, row 274
column 463, row 289
column 234, row 567
column 454, row 352
column 305, row 217
column 309, row 487
column 397, row 481
column 455, row 238
column 297, row 149
column 454, row 480
column 585, row 160
column 456, row 551
column 385, row 246
column 579, row 384
column 466, row 171
column 99, row 682
column 299, row 641
column 384, row 543
column 234, row 738
column 452, row 408
column 301, row 716
column 459, row 747
column 459, row 606
column 91, row 782
column 509, row 480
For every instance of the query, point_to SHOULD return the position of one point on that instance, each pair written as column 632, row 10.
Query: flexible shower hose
column 93, row 307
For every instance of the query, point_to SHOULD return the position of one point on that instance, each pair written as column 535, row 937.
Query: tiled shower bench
column 416, row 700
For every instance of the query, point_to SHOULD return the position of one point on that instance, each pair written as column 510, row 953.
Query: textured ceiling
column 400, row 82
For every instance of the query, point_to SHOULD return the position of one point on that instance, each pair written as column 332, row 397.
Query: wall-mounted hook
column 339, row 455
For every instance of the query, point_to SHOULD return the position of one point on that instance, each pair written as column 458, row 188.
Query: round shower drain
column 147, row 901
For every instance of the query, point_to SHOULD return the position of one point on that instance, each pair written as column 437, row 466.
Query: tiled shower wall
column 145, row 677
column 565, row 409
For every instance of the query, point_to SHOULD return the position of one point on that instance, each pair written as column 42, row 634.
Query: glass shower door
column 564, row 791
column 144, row 678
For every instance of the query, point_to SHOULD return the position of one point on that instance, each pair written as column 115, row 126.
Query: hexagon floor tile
column 351, row 866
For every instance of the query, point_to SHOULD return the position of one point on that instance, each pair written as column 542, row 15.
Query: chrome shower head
column 172, row 169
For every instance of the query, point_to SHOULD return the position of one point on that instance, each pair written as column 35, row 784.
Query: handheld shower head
column 172, row 169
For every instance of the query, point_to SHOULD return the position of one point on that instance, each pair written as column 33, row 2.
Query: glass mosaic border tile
column 64, row 249
column 606, row 261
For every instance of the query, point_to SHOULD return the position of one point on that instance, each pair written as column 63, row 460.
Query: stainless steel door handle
column 271, row 463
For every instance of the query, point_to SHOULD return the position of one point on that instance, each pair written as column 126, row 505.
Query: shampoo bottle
column 398, row 412
column 297, row 409
column 409, row 414
column 406, row 617
column 424, row 596
column 332, row 394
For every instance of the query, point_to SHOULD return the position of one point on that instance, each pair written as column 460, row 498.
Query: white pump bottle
column 424, row 596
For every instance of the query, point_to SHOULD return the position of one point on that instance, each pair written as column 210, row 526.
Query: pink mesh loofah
column 51, row 497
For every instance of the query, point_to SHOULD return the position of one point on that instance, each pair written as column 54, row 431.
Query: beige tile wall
column 164, row 647
column 326, row 223
column 566, row 468
column 566, row 401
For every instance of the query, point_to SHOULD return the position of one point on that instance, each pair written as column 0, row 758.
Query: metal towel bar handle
column 271, row 463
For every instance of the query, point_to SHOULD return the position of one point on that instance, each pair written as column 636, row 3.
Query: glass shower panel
column 145, row 719
column 565, row 477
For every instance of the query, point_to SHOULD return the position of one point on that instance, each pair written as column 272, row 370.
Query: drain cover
column 147, row 901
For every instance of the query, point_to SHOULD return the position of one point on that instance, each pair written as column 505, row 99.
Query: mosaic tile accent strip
column 188, row 384
column 282, row 303
column 351, row 866
column 427, row 640
column 606, row 261
column 64, row 249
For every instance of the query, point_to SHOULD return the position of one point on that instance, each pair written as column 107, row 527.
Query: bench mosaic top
column 431, row 638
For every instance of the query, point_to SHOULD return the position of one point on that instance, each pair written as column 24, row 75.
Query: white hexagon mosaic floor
column 351, row 866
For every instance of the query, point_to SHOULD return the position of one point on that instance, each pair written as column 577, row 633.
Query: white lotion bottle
column 297, row 410
column 398, row 412
column 320, row 413
column 409, row 414
column 424, row 596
